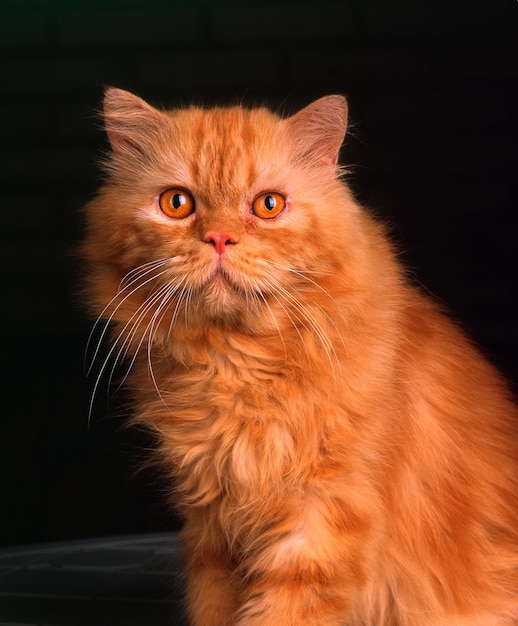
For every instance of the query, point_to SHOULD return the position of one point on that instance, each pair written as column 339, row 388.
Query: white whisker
column 119, row 293
column 180, row 300
column 131, row 323
column 140, row 315
column 259, row 296
column 155, row 322
column 134, row 281
column 138, row 272
column 302, row 274
column 305, row 318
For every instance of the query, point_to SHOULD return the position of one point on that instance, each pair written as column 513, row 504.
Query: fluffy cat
column 341, row 453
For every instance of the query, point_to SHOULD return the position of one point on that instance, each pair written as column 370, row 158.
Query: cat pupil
column 269, row 202
column 177, row 200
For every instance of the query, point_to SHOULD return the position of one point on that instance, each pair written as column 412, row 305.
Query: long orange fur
column 341, row 453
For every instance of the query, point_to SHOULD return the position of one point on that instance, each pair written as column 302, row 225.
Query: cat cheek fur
column 335, row 459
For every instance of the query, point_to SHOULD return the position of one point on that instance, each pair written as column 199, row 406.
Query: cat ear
column 129, row 121
column 319, row 129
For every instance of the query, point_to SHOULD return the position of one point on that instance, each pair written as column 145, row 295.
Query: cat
column 341, row 453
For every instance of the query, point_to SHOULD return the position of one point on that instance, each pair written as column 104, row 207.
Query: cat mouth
column 220, row 293
column 220, row 275
column 220, row 279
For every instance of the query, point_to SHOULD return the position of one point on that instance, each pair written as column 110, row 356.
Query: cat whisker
column 307, row 320
column 292, row 321
column 258, row 296
column 156, row 321
column 133, row 324
column 138, row 272
column 176, row 289
column 273, row 288
column 181, row 298
column 161, row 300
column 302, row 274
column 132, row 286
column 141, row 313
column 120, row 292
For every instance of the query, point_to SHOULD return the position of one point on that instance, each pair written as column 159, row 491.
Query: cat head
column 216, row 215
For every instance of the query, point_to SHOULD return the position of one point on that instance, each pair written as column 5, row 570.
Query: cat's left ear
column 319, row 129
column 131, row 123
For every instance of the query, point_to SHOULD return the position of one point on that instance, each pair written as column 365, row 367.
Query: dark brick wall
column 432, row 91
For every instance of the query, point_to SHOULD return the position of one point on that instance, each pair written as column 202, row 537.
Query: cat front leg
column 313, row 575
column 293, row 603
column 211, row 595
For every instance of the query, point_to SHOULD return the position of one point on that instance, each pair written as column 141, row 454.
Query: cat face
column 219, row 211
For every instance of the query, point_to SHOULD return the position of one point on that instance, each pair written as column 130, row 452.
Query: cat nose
column 219, row 241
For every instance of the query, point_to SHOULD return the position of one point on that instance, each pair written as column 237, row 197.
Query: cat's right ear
column 130, row 122
column 318, row 130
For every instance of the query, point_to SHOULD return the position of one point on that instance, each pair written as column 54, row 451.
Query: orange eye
column 268, row 205
column 176, row 202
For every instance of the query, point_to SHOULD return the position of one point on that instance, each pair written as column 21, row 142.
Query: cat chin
column 219, row 298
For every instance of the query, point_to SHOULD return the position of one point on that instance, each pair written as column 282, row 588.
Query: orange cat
column 342, row 454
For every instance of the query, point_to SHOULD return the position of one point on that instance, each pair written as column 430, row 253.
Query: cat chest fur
column 239, row 423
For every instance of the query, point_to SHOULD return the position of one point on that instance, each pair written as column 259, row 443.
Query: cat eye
column 268, row 205
column 176, row 202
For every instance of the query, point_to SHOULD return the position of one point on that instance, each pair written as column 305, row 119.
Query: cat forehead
column 226, row 146
column 225, row 126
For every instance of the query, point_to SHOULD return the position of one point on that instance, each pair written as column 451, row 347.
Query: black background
column 433, row 103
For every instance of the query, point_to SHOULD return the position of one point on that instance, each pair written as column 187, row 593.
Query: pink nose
column 219, row 241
